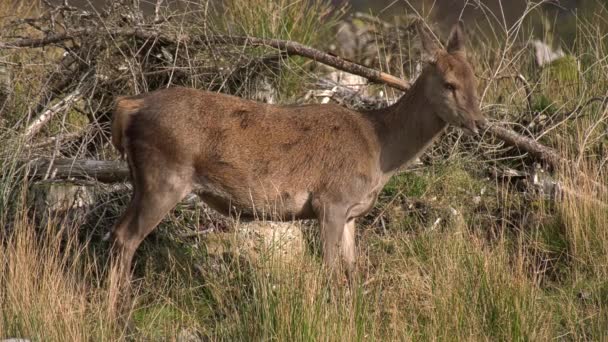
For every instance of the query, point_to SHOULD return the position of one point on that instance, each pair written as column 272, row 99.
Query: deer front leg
column 348, row 247
column 331, row 220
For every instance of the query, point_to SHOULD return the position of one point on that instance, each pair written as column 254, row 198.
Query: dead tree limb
column 105, row 171
column 48, row 114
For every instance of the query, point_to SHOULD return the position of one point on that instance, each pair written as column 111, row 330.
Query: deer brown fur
column 258, row 160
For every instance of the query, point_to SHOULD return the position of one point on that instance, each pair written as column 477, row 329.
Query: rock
column 352, row 39
column 53, row 199
column 188, row 335
column 264, row 90
column 277, row 240
column 5, row 84
column 354, row 82
column 544, row 54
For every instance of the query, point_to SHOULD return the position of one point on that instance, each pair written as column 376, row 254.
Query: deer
column 284, row 162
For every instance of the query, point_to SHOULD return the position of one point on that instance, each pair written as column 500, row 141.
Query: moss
column 543, row 104
column 564, row 69
column 561, row 79
column 453, row 181
column 409, row 183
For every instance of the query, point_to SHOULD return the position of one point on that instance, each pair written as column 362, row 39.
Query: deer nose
column 470, row 127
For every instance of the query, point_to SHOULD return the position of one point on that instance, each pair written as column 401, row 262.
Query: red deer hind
column 323, row 162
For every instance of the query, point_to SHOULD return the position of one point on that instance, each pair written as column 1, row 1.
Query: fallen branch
column 539, row 151
column 48, row 114
column 542, row 183
column 105, row 171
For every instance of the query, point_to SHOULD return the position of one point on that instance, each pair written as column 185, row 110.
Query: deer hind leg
column 155, row 193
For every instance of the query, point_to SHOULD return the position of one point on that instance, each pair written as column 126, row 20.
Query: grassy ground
column 450, row 252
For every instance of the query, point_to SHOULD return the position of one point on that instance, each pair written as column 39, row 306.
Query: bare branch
column 289, row 46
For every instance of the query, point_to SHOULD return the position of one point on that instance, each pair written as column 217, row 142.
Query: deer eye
column 449, row 86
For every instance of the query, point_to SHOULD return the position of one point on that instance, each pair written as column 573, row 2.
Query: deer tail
column 125, row 108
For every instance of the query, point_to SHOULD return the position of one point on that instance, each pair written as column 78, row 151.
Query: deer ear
column 429, row 44
column 456, row 40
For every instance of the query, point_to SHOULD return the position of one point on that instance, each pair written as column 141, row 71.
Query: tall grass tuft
column 307, row 22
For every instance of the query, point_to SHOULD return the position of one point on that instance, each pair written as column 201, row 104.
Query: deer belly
column 277, row 206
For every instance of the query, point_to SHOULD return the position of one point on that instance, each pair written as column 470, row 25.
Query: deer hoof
column 107, row 236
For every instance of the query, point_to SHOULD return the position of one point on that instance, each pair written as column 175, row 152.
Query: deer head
column 450, row 84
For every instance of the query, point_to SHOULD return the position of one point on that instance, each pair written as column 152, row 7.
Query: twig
column 528, row 90
column 56, row 139
column 519, row 77
column 157, row 11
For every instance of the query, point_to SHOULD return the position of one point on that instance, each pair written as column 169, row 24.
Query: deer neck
column 407, row 128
